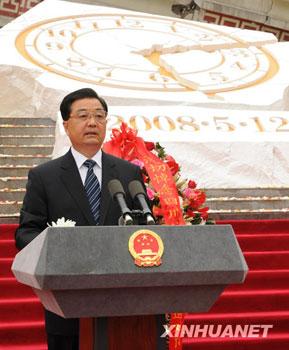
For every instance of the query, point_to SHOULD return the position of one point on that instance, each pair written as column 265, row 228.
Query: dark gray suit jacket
column 54, row 190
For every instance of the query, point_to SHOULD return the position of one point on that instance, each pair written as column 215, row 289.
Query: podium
column 89, row 271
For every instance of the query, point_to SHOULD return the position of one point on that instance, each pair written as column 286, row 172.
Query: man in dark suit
column 74, row 186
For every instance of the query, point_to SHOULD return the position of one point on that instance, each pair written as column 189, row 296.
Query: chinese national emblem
column 146, row 247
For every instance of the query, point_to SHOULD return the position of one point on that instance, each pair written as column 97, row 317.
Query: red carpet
column 262, row 300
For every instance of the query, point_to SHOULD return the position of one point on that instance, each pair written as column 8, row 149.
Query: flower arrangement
column 126, row 144
column 61, row 222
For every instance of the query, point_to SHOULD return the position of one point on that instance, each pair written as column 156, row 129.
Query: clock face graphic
column 145, row 53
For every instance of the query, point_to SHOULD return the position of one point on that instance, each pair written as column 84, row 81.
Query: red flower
column 150, row 146
column 192, row 184
column 188, row 193
column 204, row 212
column 191, row 213
column 173, row 165
column 197, row 199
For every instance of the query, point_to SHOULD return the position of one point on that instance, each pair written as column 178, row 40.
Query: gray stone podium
column 89, row 271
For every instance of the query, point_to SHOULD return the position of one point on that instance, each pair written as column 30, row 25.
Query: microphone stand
column 139, row 219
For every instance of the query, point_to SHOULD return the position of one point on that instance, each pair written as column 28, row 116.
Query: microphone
column 117, row 192
column 136, row 190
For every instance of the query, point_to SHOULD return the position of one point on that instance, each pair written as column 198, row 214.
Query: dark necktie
column 92, row 189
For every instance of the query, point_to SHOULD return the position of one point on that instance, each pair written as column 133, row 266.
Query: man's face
column 86, row 126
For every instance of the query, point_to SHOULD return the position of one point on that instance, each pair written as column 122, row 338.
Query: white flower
column 62, row 223
column 181, row 183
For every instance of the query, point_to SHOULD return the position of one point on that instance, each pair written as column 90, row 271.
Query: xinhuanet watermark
column 217, row 330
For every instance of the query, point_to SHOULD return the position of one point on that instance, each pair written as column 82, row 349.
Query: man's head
column 84, row 119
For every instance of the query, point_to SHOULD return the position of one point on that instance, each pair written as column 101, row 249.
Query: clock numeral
column 132, row 23
column 50, row 32
column 204, row 37
column 238, row 65
column 95, row 26
column 218, row 77
column 128, row 23
column 100, row 73
column 105, row 72
column 75, row 62
column 243, row 53
column 118, row 23
column 54, row 46
column 61, row 35
column 68, row 33
column 173, row 27
column 158, row 78
column 77, row 24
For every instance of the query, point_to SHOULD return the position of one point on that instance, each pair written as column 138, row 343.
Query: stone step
column 22, row 160
column 10, row 208
column 246, row 192
column 261, row 214
column 8, row 194
column 25, row 139
column 12, row 170
column 25, row 149
column 13, row 182
column 10, row 219
column 29, row 130
column 251, row 203
column 26, row 121
column 24, row 143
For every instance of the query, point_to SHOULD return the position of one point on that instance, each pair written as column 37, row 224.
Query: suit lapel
column 108, row 173
column 72, row 181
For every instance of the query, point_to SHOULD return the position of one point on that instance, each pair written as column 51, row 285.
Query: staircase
column 24, row 143
column 248, row 203
column 262, row 300
column 21, row 314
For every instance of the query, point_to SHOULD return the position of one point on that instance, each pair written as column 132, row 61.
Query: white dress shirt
column 80, row 159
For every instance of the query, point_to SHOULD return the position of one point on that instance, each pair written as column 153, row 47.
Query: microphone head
column 115, row 187
column 135, row 187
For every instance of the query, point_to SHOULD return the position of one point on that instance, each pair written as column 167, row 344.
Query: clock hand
column 154, row 58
